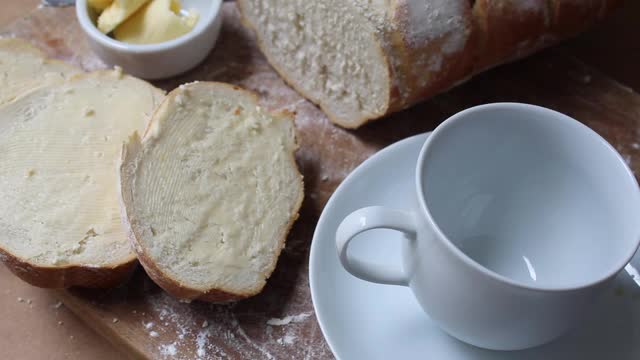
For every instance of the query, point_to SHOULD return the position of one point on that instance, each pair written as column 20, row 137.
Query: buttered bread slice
column 23, row 67
column 210, row 192
column 60, row 145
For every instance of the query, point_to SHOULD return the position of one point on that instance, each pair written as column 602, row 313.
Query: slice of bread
column 60, row 145
column 210, row 192
column 24, row 67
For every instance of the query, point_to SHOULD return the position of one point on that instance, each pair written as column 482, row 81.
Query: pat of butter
column 117, row 13
column 99, row 5
column 158, row 21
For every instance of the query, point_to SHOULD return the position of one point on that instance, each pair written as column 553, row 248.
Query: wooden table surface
column 35, row 325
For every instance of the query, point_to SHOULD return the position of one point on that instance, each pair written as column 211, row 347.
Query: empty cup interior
column 532, row 195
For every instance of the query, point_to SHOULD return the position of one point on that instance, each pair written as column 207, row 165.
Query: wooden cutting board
column 146, row 323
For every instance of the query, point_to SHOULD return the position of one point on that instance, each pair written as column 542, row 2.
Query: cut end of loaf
column 328, row 51
column 210, row 193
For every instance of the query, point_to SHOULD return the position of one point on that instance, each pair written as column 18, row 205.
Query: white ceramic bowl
column 162, row 60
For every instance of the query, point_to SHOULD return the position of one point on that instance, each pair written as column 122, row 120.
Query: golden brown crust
column 162, row 279
column 505, row 29
column 422, row 81
column 65, row 276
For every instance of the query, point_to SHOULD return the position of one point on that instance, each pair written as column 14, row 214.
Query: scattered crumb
column 31, row 173
column 635, row 146
column 29, row 301
column 289, row 339
column 57, row 305
column 168, row 349
column 205, row 324
column 60, row 323
column 20, row 300
column 154, row 334
column 185, row 301
column 115, row 320
column 71, row 337
column 586, row 79
column 133, row 312
column 201, row 341
column 148, row 325
column 286, row 340
column 288, row 319
column 324, row 177
column 89, row 112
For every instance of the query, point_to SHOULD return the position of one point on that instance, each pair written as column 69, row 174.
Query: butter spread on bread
column 210, row 192
column 59, row 219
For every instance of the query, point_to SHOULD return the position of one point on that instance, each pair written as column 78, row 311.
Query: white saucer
column 361, row 320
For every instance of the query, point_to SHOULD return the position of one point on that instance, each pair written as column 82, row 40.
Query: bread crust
column 494, row 32
column 161, row 278
column 420, row 77
column 508, row 29
column 69, row 275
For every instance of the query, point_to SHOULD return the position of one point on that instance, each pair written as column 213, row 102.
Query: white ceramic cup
column 522, row 216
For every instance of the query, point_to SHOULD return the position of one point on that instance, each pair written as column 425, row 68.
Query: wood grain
column 142, row 320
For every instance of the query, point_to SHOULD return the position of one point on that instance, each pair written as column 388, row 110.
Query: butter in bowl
column 151, row 39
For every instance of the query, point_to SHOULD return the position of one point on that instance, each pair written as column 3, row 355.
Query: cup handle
column 369, row 218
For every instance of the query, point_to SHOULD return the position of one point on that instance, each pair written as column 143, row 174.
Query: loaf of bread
column 360, row 59
column 60, row 144
column 23, row 67
column 210, row 192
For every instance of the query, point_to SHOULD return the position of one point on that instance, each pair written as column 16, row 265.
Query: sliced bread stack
column 206, row 197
